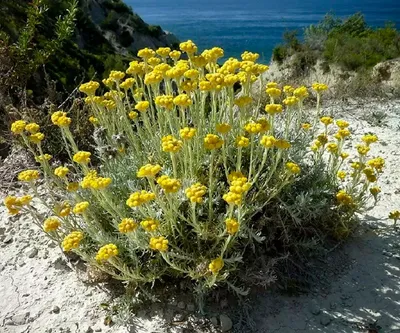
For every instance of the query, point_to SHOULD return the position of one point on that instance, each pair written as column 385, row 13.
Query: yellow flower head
column 216, row 265
column 189, row 47
column 128, row 83
column 15, row 204
column 158, row 244
column 82, row 157
column 36, row 138
column 32, row 128
column 146, row 53
column 135, row 68
column 60, row 119
column 89, row 88
column 232, row 226
column 81, row 207
column 165, row 101
column 61, row 171
column 51, row 224
column 306, row 126
column 28, row 175
column 192, row 74
column 139, row 198
column 163, row 51
column 187, row 133
column 196, row 192
column 106, row 252
column 63, row 209
column 344, row 155
column 291, row 100
column 272, row 84
column 213, row 55
column 273, row 108
column 342, row 133
column 293, row 168
column 43, row 158
column 301, row 92
column 242, row 101
column 148, row 170
column 341, row 174
column 142, row 106
column 250, row 56
column 322, row 138
column 153, row 77
column 288, row 90
column 326, row 120
column 344, row 198
column 319, row 87
column 375, row 190
column 212, row 141
column 242, row 141
column 133, row 115
column 282, row 144
column 72, row 241
column 93, row 120
column 18, row 127
column 362, row 150
column 253, row 127
column 127, row 225
column 377, row 163
column 182, row 100
column 369, row 138
column 273, row 92
column 268, row 141
column 223, row 128
column 169, row 185
column 175, row 55
column 394, row 215
column 342, row 123
column 235, row 175
column 150, row 225
column 170, row 144
column 332, row 147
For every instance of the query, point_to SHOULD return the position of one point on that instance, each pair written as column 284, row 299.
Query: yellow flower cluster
column 51, row 224
column 326, row 120
column 142, row 106
column 14, row 204
column 268, row 141
column 301, row 92
column 43, row 158
column 196, row 192
column 344, row 198
column 242, row 141
column 165, row 101
column 293, row 167
column 273, row 92
column 232, row 226
column 148, row 170
column 159, row 244
column 394, row 215
column 128, row 83
column 18, row 127
column 72, row 241
column 187, row 133
column 169, row 185
column 127, row 225
column 106, row 252
column 319, row 87
column 92, row 181
column 28, row 175
column 223, row 128
column 170, row 144
column 216, row 265
column 63, row 209
column 242, row 101
column 73, row 187
column 150, row 225
column 182, row 100
column 249, row 56
column 341, row 174
column 36, row 138
column 238, row 187
column 61, row 171
column 60, row 119
column 82, row 157
column 377, row 163
column 212, row 141
column 81, row 207
column 89, row 88
column 369, row 138
column 273, row 108
column 291, row 100
column 139, row 198
column 32, row 128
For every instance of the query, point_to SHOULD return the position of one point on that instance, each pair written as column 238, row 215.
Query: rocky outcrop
column 124, row 29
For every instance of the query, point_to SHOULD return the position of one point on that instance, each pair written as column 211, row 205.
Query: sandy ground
column 358, row 289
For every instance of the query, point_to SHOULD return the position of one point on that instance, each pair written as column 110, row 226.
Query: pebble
column 214, row 321
column 20, row 319
column 55, row 309
column 181, row 305
column 8, row 239
column 179, row 317
column 226, row 323
column 191, row 307
column 314, row 309
column 325, row 320
column 32, row 253
column 1, row 267
column 97, row 329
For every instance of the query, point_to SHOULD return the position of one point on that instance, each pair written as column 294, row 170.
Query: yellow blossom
column 146, row 53
column 42, row 158
column 150, row 225
column 148, row 170
column 249, row 56
column 14, row 204
column 163, row 51
column 375, row 190
column 288, row 90
column 223, row 128
column 165, row 101
column 377, row 163
column 61, row 171
column 332, row 147
column 133, row 115
column 36, row 138
column 158, row 244
column 273, row 92
column 81, row 207
column 291, row 100
column 326, row 120
column 394, row 215
column 28, row 175
column 341, row 174
column 268, row 141
column 342, row 123
column 242, row 141
column 344, row 155
column 182, row 100
column 272, row 84
column 89, row 88
column 253, row 128
column 138, row 198
column 212, row 141
column 106, row 252
column 128, row 83
column 273, row 108
column 32, row 128
column 344, row 198
column 169, row 185
column 301, row 92
column 63, row 209
column 82, row 157
column 72, row 187
column 369, row 138
column 306, row 126
column 127, row 225
column 175, row 55
column 196, row 192
column 142, row 106
column 189, row 47
column 232, row 226
column 362, row 150
column 319, row 87
column 187, row 133
column 293, row 167
column 170, row 144
column 60, row 119
column 282, row 144
column 18, row 127
column 51, row 224
column 216, row 265
column 242, row 101
column 93, row 120
column 72, row 241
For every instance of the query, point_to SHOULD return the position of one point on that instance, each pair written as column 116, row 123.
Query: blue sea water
column 255, row 25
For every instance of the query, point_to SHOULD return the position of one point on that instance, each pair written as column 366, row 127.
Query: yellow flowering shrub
column 189, row 175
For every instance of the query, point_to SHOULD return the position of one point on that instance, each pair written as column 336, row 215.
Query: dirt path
column 361, row 289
